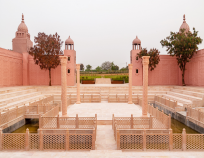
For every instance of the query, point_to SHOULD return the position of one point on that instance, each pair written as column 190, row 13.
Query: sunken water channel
column 33, row 125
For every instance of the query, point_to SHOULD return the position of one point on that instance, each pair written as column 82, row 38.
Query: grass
column 113, row 77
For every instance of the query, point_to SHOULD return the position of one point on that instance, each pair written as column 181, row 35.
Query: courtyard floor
column 104, row 110
column 98, row 154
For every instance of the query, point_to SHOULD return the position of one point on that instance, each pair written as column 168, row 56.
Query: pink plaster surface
column 71, row 78
column 166, row 72
column 136, row 64
column 41, row 77
column 11, row 72
column 195, row 70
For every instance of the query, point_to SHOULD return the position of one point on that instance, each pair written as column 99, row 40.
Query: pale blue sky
column 103, row 30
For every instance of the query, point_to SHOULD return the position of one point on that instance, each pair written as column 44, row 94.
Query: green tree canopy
column 46, row 51
column 98, row 69
column 88, row 67
column 114, row 67
column 154, row 57
column 183, row 45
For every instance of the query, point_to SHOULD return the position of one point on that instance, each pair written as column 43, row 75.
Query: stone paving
column 98, row 154
column 104, row 110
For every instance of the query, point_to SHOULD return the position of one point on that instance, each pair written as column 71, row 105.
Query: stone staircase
column 11, row 97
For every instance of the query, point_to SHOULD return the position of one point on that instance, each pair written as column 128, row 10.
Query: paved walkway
column 99, row 154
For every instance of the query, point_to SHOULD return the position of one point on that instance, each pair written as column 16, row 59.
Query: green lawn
column 114, row 77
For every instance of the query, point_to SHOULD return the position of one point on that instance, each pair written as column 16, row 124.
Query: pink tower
column 21, row 44
column 136, row 63
column 71, row 62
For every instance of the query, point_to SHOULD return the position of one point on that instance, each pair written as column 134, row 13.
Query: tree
column 114, row 67
column 88, row 67
column 46, row 51
column 81, row 67
column 106, row 65
column 124, row 68
column 183, row 45
column 154, row 57
column 98, row 69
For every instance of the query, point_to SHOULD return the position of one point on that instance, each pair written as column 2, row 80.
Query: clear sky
column 102, row 30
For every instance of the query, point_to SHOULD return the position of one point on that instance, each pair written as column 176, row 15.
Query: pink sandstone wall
column 195, row 70
column 36, row 76
column 166, row 72
column 41, row 77
column 11, row 68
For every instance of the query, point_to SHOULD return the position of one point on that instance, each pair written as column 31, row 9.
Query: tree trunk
column 50, row 77
column 183, row 75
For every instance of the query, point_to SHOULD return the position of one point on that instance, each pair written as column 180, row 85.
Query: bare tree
column 106, row 65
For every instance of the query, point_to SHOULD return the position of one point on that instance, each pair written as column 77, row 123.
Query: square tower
column 71, row 63
column 136, row 63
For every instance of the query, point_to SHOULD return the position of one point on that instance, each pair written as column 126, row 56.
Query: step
column 23, row 101
column 179, row 100
column 16, row 93
column 16, row 98
column 184, row 96
column 191, row 93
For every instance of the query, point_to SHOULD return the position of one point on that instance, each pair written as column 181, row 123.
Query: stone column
column 130, row 84
column 78, row 83
column 145, row 62
column 64, row 84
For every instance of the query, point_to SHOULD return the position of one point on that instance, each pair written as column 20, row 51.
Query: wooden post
column 184, row 139
column 27, row 139
column 77, row 121
column 67, row 139
column 150, row 122
column 96, row 121
column 41, row 139
column 1, row 139
column 93, row 139
column 131, row 121
column 58, row 123
column 118, row 139
column 144, row 140
column 170, row 140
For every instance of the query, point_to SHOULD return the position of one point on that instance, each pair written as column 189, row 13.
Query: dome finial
column 136, row 37
column 22, row 17
column 184, row 18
